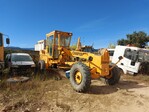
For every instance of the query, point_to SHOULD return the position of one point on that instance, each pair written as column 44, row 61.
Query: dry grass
column 43, row 91
column 143, row 78
column 16, row 97
column 21, row 92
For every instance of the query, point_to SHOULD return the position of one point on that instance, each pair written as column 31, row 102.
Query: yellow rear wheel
column 114, row 76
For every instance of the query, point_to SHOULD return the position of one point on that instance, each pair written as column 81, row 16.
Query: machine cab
column 55, row 40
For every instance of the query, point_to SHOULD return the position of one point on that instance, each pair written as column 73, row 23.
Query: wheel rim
column 78, row 77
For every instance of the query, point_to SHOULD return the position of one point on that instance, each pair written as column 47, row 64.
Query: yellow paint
column 2, row 53
column 94, row 74
column 99, row 66
column 100, row 62
column 2, row 50
column 78, row 77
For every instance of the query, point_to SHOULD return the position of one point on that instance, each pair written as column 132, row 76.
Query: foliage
column 73, row 47
column 138, row 39
column 111, row 46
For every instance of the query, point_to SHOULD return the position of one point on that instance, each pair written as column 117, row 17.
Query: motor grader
column 84, row 66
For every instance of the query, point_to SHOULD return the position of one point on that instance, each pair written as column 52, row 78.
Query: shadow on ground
column 106, row 89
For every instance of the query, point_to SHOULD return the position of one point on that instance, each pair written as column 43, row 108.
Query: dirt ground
column 50, row 95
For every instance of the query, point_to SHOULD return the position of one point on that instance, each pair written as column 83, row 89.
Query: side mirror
column 120, row 57
column 7, row 41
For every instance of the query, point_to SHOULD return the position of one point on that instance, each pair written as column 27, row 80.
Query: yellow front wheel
column 80, row 77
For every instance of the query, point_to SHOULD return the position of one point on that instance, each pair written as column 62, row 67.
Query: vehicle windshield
column 1, row 41
column 111, row 52
column 65, row 41
column 21, row 58
column 144, row 55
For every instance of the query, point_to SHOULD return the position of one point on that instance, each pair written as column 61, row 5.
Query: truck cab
column 55, row 40
column 1, row 48
column 111, row 53
column 133, row 57
column 2, row 51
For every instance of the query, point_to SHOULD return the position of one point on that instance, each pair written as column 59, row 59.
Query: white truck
column 111, row 53
column 41, row 45
column 135, row 60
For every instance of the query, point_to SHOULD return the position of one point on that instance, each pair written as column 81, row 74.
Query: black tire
column 41, row 66
column 1, row 69
column 143, row 69
column 121, row 71
column 115, row 74
column 85, row 80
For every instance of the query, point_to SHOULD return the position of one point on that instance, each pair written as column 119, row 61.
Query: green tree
column 73, row 47
column 122, row 42
column 139, row 39
column 111, row 46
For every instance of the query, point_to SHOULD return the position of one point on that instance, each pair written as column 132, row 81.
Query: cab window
column 128, row 53
column 50, row 44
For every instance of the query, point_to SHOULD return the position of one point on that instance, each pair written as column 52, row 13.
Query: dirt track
column 57, row 96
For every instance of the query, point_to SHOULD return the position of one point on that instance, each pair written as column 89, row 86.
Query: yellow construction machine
column 2, row 51
column 83, row 66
